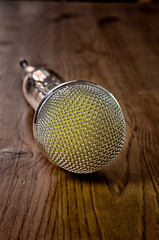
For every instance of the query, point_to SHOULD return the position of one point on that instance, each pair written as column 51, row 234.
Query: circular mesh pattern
column 80, row 127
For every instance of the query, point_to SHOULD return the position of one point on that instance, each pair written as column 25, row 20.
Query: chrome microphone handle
column 37, row 82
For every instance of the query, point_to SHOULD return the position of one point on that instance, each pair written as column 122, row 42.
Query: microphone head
column 79, row 126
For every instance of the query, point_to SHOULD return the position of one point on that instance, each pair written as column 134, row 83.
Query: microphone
column 78, row 125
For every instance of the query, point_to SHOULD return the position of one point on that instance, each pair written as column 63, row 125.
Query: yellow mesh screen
column 80, row 127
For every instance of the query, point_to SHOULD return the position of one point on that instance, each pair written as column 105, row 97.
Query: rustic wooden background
column 116, row 46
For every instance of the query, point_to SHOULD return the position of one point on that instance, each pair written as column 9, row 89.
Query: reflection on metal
column 37, row 82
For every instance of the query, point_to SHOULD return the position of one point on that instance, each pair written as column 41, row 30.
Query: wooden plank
column 116, row 46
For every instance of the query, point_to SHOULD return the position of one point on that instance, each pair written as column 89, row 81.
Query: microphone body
column 37, row 82
column 78, row 125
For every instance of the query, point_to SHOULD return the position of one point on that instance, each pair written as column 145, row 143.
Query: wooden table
column 116, row 46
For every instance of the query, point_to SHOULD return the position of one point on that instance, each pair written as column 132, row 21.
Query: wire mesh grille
column 80, row 127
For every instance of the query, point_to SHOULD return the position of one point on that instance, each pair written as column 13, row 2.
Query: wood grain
column 116, row 46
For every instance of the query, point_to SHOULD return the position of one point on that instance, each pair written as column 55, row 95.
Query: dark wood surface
column 116, row 46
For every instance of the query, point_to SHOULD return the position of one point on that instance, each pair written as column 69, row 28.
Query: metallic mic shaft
column 37, row 82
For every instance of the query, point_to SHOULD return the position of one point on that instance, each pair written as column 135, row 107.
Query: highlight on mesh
column 80, row 127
